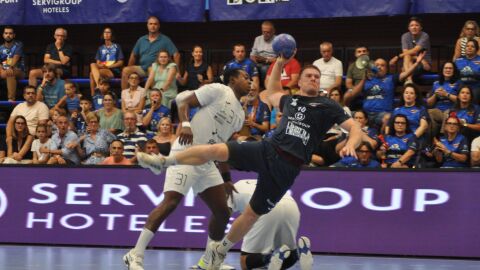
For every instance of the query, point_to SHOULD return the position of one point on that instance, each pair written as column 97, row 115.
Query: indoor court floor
column 83, row 258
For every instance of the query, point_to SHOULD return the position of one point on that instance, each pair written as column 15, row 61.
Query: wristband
column 226, row 176
column 185, row 124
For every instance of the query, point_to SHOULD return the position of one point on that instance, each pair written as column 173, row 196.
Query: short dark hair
column 117, row 140
column 29, row 87
column 231, row 73
column 415, row 19
column 104, row 80
column 8, row 27
column 391, row 125
column 309, row 67
column 358, row 46
column 367, row 144
column 475, row 43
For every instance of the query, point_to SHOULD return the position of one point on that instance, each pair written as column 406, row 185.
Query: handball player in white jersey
column 220, row 115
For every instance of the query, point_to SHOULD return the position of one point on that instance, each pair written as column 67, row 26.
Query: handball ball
column 284, row 44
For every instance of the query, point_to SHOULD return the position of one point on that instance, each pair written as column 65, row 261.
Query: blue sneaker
column 278, row 256
column 306, row 258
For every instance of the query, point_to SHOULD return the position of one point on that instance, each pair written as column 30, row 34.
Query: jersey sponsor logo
column 294, row 102
column 3, row 202
column 300, row 116
column 298, row 132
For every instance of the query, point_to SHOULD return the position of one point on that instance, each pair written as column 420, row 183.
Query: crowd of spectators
column 58, row 125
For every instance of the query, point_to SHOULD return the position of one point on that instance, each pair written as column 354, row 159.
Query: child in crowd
column 52, row 124
column 97, row 96
column 71, row 98
column 42, row 143
column 79, row 118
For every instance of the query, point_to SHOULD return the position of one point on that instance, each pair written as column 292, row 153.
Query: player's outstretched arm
column 354, row 139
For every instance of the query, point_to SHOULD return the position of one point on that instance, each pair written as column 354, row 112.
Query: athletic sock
column 145, row 237
column 225, row 245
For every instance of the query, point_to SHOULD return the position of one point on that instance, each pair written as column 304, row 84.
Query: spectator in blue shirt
column 146, row 51
column 399, row 145
column 52, row 89
column 102, row 89
column 11, row 57
column 379, row 89
column 469, row 67
column 257, row 117
column 468, row 113
column 364, row 153
column 411, row 105
column 153, row 113
column 241, row 61
column 109, row 60
column 66, row 142
column 451, row 150
column 444, row 95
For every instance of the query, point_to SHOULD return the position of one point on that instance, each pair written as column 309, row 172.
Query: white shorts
column 274, row 229
column 181, row 178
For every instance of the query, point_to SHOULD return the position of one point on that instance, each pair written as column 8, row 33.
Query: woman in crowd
column 109, row 60
column 133, row 98
column 96, row 142
column 444, row 95
column 468, row 113
column 20, row 143
column 198, row 72
column 469, row 31
column 411, row 105
column 162, row 76
column 469, row 68
column 165, row 135
column 110, row 117
column 42, row 143
column 451, row 150
column 361, row 117
column 399, row 145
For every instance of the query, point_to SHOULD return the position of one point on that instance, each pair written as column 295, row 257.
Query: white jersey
column 220, row 114
column 272, row 230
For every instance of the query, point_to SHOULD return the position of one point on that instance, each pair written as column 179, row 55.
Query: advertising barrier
column 367, row 212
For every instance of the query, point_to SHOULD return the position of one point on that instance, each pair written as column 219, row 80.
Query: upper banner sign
column 111, row 11
column 229, row 10
column 11, row 12
column 381, row 212
column 445, row 6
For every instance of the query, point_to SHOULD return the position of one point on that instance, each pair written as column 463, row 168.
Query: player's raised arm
column 274, row 90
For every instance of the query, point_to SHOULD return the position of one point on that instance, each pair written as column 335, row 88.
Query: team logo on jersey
column 3, row 202
column 467, row 71
column 294, row 102
column 300, row 116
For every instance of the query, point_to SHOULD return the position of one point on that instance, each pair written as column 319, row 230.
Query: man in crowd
column 36, row 112
column 240, row 61
column 52, row 88
column 58, row 54
column 131, row 136
column 11, row 57
column 330, row 68
column 262, row 52
column 116, row 155
column 146, row 51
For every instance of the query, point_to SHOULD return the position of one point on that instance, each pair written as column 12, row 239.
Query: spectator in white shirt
column 330, row 67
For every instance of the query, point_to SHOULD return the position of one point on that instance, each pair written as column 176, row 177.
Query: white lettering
column 135, row 223
column 421, row 198
column 189, row 223
column 87, row 218
column 345, row 198
column 395, row 201
column 72, row 194
column 190, row 199
column 163, row 228
column 156, row 200
column 111, row 220
column 38, row 188
column 108, row 194
column 31, row 219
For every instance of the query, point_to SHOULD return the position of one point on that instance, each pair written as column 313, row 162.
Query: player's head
column 309, row 81
column 238, row 80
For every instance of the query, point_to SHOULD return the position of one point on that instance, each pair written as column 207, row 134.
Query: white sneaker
column 216, row 258
column 278, row 256
column 306, row 258
column 155, row 163
column 133, row 261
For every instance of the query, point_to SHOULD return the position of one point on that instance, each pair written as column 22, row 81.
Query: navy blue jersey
column 397, row 146
column 444, row 103
column 458, row 145
column 469, row 70
column 414, row 114
column 379, row 93
column 351, row 162
column 7, row 54
column 471, row 116
column 304, row 123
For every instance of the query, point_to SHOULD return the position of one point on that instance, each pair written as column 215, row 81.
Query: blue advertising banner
column 178, row 11
column 227, row 10
column 366, row 212
column 445, row 6
column 111, row 11
column 11, row 12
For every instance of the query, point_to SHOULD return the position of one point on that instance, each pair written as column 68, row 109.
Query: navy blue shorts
column 275, row 174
